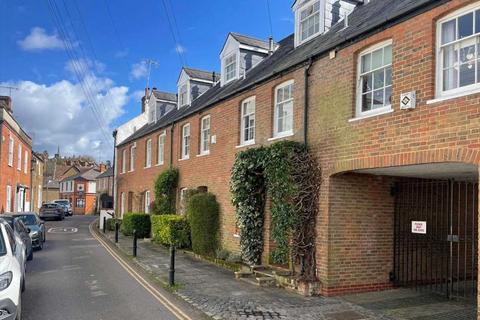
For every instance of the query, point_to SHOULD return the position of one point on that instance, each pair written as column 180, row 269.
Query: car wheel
column 19, row 308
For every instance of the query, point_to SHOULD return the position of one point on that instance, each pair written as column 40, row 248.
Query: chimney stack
column 271, row 45
column 103, row 167
column 6, row 103
column 145, row 99
column 214, row 77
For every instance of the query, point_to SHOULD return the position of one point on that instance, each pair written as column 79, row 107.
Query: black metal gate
column 435, row 238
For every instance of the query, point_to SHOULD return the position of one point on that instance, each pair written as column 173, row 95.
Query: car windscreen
column 27, row 219
column 65, row 202
column 3, row 247
column 50, row 206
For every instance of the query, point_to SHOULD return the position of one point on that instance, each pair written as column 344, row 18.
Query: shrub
column 234, row 258
column 136, row 221
column 222, row 254
column 171, row 229
column 202, row 214
column 165, row 186
column 111, row 224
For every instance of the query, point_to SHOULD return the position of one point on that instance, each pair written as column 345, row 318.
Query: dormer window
column 310, row 21
column 183, row 95
column 192, row 83
column 230, row 70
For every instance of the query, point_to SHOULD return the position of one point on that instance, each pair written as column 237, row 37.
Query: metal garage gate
column 435, row 238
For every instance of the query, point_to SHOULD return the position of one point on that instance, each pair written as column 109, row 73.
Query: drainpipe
column 306, row 100
column 172, row 128
column 114, row 134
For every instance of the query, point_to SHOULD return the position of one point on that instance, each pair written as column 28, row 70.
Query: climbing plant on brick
column 165, row 187
column 290, row 176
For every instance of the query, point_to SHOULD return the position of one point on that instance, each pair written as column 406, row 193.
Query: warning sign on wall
column 419, row 227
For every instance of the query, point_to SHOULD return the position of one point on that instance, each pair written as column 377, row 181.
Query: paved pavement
column 74, row 278
column 215, row 291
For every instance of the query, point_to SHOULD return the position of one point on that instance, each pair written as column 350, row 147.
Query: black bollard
column 116, row 231
column 134, row 243
column 104, row 224
column 171, row 271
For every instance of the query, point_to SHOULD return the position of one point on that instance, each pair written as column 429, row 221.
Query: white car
column 12, row 273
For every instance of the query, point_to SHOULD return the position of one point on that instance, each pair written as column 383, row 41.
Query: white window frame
column 25, row 162
column 205, row 135
column 235, row 65
column 276, row 133
column 161, row 148
column 148, row 153
column 373, row 112
column 80, row 203
column 183, row 194
column 243, row 121
column 124, row 160
column 11, row 145
column 39, row 200
column 186, row 141
column 182, row 103
column 298, row 21
column 122, row 204
column 459, row 91
column 19, row 157
column 8, row 203
column 133, row 156
column 147, row 201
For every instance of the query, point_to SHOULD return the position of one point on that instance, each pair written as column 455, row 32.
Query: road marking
column 62, row 230
column 144, row 283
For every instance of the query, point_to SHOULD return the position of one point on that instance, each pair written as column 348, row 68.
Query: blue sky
column 50, row 103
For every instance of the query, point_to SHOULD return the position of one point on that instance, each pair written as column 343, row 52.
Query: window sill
column 246, row 144
column 147, row 167
column 183, row 159
column 159, row 164
column 453, row 96
column 281, row 136
column 203, row 154
column 236, row 235
column 371, row 115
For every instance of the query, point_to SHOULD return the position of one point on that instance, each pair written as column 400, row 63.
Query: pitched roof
column 160, row 95
column 201, row 74
column 108, row 173
column 363, row 21
column 249, row 41
column 90, row 175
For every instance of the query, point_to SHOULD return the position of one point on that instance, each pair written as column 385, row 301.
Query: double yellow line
column 144, row 283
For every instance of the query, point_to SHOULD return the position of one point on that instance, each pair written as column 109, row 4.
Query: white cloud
column 139, row 70
column 180, row 49
column 60, row 114
column 86, row 66
column 121, row 53
column 38, row 40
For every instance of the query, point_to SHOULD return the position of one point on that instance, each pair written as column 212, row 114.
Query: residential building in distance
column 105, row 189
column 81, row 190
column 37, row 171
column 15, row 156
column 387, row 100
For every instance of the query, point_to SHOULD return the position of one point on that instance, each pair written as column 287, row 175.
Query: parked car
column 21, row 231
column 66, row 205
column 52, row 211
column 36, row 228
column 12, row 273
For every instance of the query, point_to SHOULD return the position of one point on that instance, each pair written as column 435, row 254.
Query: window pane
column 367, row 83
column 378, row 96
column 477, row 21
column 450, row 56
column 366, row 63
column 465, row 25
column 467, row 74
column 388, row 76
column 467, row 52
column 280, row 95
column 449, row 31
column 377, row 59
column 379, row 79
column 450, row 79
column 388, row 96
column 387, row 55
column 367, row 101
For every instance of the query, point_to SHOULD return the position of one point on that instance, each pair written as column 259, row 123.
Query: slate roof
column 90, row 175
column 249, row 41
column 201, row 74
column 106, row 174
column 160, row 95
column 363, row 21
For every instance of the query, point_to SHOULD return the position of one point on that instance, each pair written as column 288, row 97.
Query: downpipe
column 306, row 100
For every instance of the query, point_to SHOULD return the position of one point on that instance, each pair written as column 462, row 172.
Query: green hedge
column 171, row 229
column 136, row 221
column 111, row 224
column 202, row 214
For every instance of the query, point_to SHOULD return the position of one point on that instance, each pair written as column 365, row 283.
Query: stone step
column 266, row 281
column 264, row 273
column 250, row 280
column 243, row 274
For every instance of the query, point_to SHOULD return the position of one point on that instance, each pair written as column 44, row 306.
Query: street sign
column 419, row 227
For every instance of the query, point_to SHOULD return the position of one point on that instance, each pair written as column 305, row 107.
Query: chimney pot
column 270, row 45
column 6, row 102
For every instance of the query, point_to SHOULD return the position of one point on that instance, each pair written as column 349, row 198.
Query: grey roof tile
column 167, row 96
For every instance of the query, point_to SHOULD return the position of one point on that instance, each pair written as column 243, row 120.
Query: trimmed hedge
column 202, row 214
column 136, row 221
column 111, row 224
column 171, row 229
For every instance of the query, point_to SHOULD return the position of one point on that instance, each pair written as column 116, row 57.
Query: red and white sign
column 419, row 227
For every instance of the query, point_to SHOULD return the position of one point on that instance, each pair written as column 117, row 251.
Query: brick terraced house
column 81, row 190
column 389, row 101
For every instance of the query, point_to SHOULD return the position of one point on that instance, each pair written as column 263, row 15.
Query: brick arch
column 461, row 155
